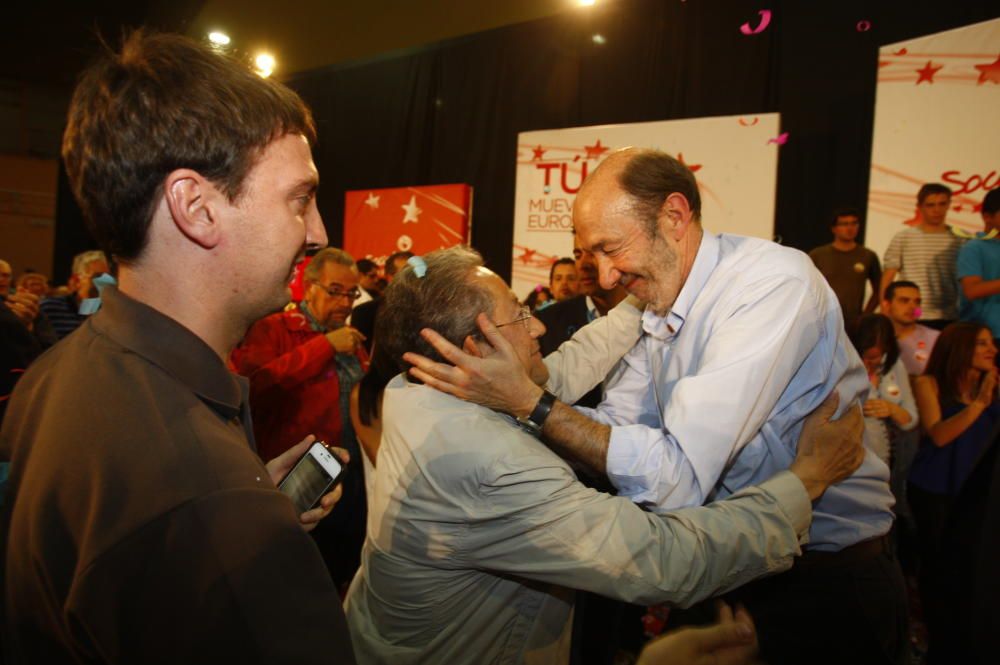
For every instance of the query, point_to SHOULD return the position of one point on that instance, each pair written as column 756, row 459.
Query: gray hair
column 83, row 259
column 649, row 177
column 328, row 255
column 445, row 300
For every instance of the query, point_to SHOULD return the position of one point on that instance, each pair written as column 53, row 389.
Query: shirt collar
column 705, row 260
column 173, row 348
column 315, row 325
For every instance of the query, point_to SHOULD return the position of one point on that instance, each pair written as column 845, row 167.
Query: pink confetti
column 780, row 140
column 917, row 312
column 765, row 20
column 864, row 25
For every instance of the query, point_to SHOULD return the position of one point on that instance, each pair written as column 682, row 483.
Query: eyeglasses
column 524, row 315
column 334, row 292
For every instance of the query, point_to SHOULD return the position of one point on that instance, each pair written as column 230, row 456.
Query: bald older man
column 742, row 339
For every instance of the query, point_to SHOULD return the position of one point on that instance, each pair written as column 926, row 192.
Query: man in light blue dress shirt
column 742, row 339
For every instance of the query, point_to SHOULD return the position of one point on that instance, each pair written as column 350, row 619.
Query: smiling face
column 522, row 335
column 872, row 359
column 985, row 354
column 625, row 253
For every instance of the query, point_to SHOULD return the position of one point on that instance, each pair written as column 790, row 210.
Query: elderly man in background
column 63, row 312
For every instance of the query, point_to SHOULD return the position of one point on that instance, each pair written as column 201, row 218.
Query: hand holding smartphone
column 312, row 477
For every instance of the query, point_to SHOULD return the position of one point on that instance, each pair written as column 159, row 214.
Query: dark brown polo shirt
column 140, row 526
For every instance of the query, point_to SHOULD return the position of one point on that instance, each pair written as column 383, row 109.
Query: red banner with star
column 379, row 222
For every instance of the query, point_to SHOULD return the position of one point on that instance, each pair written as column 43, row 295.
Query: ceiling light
column 586, row 3
column 219, row 38
column 265, row 64
column 599, row 39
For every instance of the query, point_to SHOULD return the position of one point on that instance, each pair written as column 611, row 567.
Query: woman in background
column 958, row 407
column 891, row 407
column 539, row 298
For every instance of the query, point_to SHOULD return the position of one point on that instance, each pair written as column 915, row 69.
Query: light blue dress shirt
column 714, row 395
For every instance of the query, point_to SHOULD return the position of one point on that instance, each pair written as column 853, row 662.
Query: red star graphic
column 539, row 151
column 990, row 72
column 526, row 257
column 927, row 73
column 883, row 63
column 978, row 207
column 957, row 208
column 596, row 150
column 692, row 167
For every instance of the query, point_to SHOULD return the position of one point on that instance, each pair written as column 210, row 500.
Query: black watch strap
column 541, row 411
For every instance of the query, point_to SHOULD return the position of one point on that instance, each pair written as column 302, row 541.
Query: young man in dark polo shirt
column 848, row 266
column 139, row 525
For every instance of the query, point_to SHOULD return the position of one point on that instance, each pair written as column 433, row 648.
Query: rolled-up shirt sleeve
column 584, row 360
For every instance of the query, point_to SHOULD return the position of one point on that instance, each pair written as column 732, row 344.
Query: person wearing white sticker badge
column 890, row 407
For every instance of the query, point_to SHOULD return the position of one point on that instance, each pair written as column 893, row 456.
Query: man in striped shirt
column 63, row 312
column 925, row 254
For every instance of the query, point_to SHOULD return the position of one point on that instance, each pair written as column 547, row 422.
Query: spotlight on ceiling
column 599, row 39
column 265, row 64
column 586, row 3
column 219, row 38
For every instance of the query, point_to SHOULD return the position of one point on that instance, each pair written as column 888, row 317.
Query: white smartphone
column 312, row 477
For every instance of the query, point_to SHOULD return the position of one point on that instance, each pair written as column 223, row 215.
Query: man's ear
column 675, row 216
column 194, row 203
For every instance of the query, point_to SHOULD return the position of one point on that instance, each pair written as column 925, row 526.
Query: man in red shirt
column 302, row 364
column 301, row 361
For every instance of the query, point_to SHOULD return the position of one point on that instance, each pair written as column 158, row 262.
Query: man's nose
column 315, row 230
column 535, row 327
column 608, row 275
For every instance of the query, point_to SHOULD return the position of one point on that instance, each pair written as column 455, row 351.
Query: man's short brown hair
column 166, row 102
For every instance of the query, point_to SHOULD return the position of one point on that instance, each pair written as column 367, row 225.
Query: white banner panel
column 734, row 158
column 937, row 119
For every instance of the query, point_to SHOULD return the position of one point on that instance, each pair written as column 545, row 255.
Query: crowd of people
column 680, row 418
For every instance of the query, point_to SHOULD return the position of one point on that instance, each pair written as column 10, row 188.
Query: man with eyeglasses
column 302, row 364
column 848, row 266
column 480, row 533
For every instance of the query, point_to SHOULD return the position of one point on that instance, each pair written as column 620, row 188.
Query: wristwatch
column 537, row 417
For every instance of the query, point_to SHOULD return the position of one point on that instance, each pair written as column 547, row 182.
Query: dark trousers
column 930, row 511
column 838, row 608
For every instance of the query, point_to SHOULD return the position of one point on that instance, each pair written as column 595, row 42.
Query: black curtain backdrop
column 451, row 112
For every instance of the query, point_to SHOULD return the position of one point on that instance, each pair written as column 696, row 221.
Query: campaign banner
column 380, row 222
column 936, row 109
column 734, row 159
